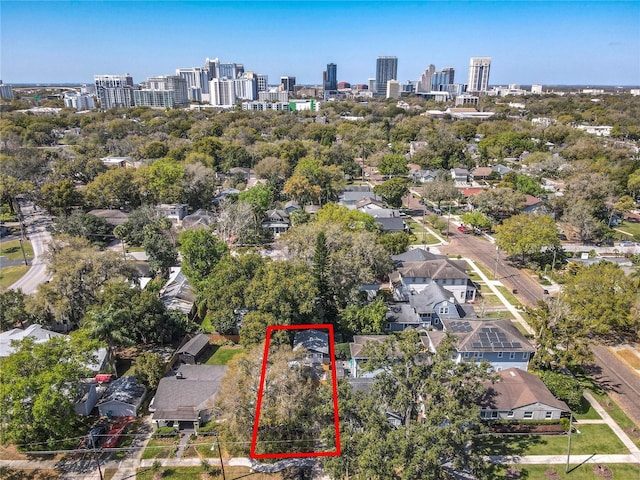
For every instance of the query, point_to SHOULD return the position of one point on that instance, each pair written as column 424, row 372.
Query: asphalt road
column 36, row 228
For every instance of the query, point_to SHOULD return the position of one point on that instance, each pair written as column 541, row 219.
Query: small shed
column 191, row 351
column 122, row 398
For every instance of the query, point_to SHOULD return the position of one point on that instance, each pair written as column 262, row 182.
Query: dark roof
column 401, row 313
column 432, row 294
column 312, row 340
column 195, row 345
column 111, row 216
column 434, row 269
column 391, row 224
column 516, row 388
column 485, row 336
column 193, row 388
column 416, row 255
column 124, row 390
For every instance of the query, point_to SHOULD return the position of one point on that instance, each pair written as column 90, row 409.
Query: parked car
column 464, row 229
column 627, row 243
column 96, row 435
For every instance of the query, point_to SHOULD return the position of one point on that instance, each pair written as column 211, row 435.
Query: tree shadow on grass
column 507, row 444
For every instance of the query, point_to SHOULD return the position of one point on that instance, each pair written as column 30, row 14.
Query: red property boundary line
column 334, row 381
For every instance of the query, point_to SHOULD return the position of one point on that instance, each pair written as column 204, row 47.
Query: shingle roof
column 516, row 389
column 177, row 293
column 183, row 398
column 312, row 340
column 434, row 269
column 485, row 336
column 359, row 342
column 124, row 390
column 195, row 345
column 416, row 255
column 432, row 294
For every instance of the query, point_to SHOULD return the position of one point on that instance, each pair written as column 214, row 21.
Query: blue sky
column 567, row 42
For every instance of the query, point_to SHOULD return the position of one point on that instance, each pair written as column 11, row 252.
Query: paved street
column 36, row 229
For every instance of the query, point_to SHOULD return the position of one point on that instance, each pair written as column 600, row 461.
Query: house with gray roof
column 411, row 278
column 520, row 395
column 350, row 198
column 111, row 216
column 358, row 354
column 201, row 218
column 177, row 293
column 122, row 398
column 186, row 400
column 314, row 343
column 497, row 341
column 415, row 255
column 391, row 224
column 276, row 221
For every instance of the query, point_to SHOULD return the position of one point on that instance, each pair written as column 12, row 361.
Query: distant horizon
column 530, row 42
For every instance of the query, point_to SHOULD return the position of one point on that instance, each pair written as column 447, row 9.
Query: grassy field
column 223, row 354
column 630, row 227
column 586, row 412
column 189, row 473
column 592, row 439
column 11, row 250
column 10, row 275
column 509, row 296
column 618, row 416
column 620, row 471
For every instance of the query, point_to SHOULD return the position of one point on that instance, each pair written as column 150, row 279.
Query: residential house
column 423, row 176
column 223, row 194
column 460, row 175
column 502, row 170
column 426, row 310
column 122, row 398
column 369, row 205
column 358, row 354
column 291, row 206
column 112, row 216
column 199, row 219
column 411, row 278
column 497, row 341
column 415, row 255
column 276, row 222
column 350, row 198
column 186, row 400
column 117, row 162
column 481, row 173
column 88, row 395
column 532, row 205
column 391, row 224
column 314, row 344
column 520, row 395
column 173, row 211
column 177, row 293
column 192, row 351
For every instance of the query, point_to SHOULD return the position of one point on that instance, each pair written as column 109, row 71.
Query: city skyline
column 555, row 43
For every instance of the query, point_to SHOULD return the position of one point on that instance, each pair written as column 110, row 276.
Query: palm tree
column 109, row 325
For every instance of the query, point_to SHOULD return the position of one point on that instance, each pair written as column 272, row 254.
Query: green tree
column 80, row 224
column 395, row 243
column 154, row 149
column 392, row 165
column 526, row 234
column 59, row 198
column 499, row 202
column 159, row 246
column 38, row 385
column 163, row 181
column 439, row 190
column 149, row 368
column 10, row 188
column 259, row 197
column 12, row 309
column 109, row 325
column 201, row 251
column 565, row 387
column 354, row 220
column 366, row 319
column 115, row 188
column 477, row 220
column 393, row 190
column 132, row 231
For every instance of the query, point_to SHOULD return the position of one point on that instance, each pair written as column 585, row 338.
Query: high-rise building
column 168, row 91
column 440, row 80
column 424, row 84
column 479, row 74
column 79, row 101
column 330, row 77
column 6, row 91
column 262, row 82
column 536, row 89
column 114, row 91
column 393, row 89
column 386, row 69
column 246, row 88
column 222, row 92
column 197, row 79
column 288, row 83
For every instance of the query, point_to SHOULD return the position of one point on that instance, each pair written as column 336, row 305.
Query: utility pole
column 217, row 441
column 569, row 447
column 97, row 458
column 495, row 268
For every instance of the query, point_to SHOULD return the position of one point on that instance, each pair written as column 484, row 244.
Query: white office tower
column 162, row 92
column 393, row 89
column 479, row 74
column 197, row 83
column 536, row 89
column 273, row 95
column 79, row 101
column 222, row 92
column 371, row 83
column 246, row 88
column 114, row 91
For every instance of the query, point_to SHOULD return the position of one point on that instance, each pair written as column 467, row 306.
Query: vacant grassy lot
column 223, row 354
column 619, row 471
column 592, row 439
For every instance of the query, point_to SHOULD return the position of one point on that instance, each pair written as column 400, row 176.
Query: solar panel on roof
column 476, row 345
column 517, row 345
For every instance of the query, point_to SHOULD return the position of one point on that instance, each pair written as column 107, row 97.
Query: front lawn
column 620, row 471
column 618, row 415
column 189, row 473
column 509, row 296
column 160, row 448
column 11, row 250
column 223, row 354
column 592, row 439
column 629, row 227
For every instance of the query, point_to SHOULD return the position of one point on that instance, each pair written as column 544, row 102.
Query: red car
column 464, row 229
